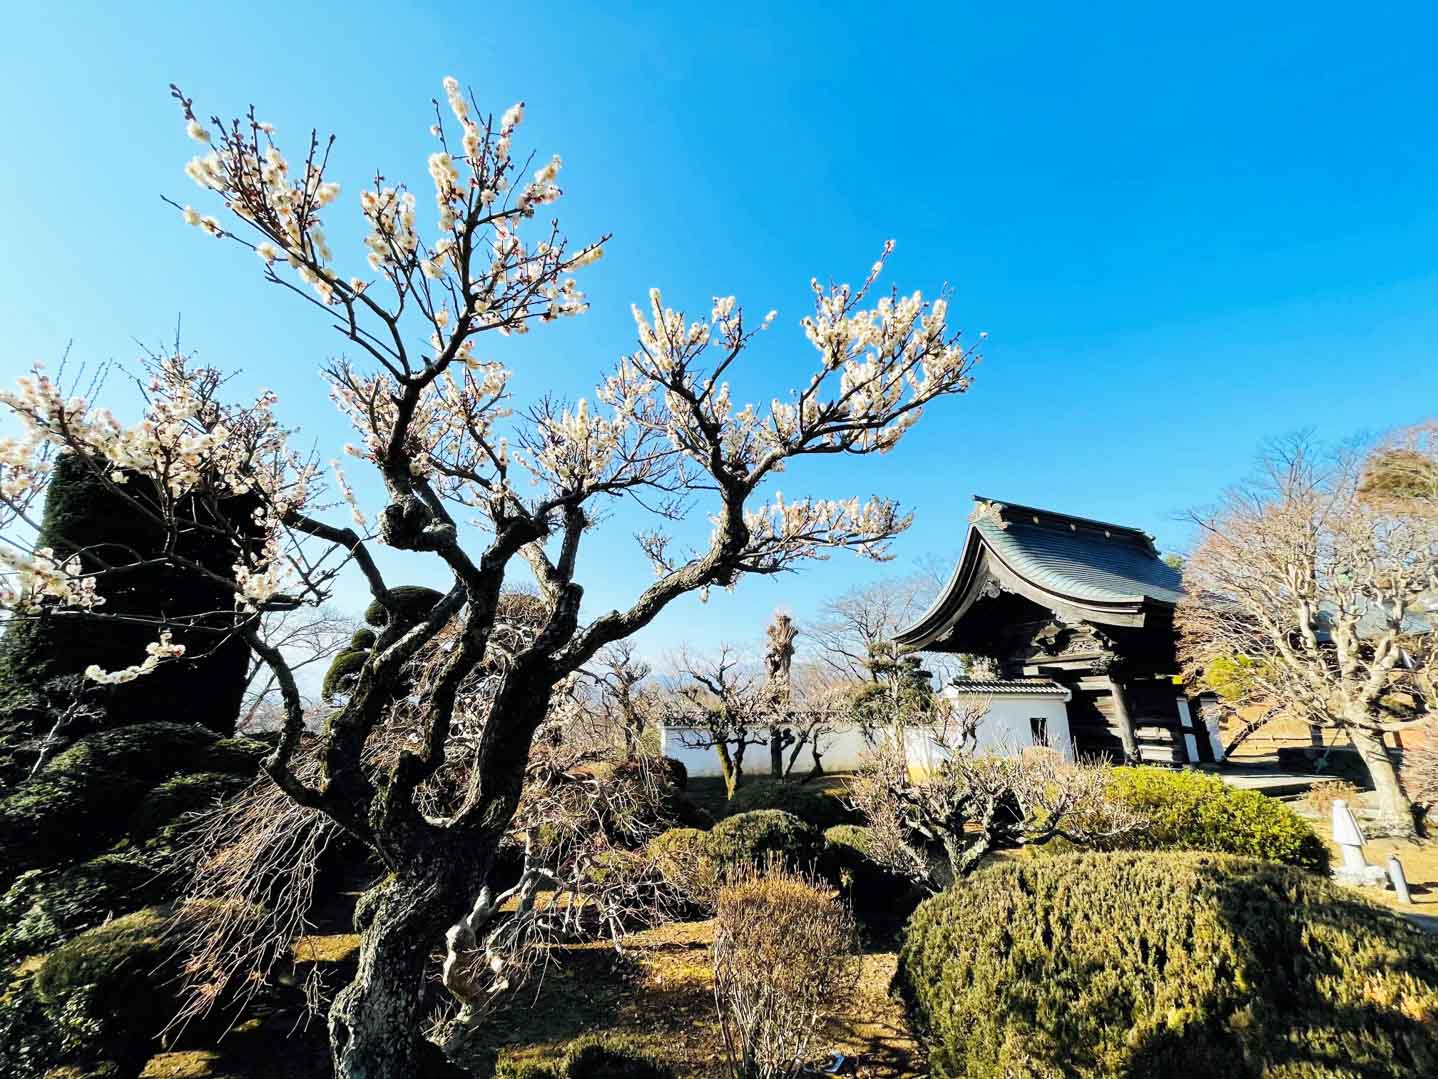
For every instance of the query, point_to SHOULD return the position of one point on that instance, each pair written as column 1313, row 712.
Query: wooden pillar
column 1125, row 721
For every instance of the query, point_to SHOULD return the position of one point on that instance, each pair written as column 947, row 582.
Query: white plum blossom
column 156, row 652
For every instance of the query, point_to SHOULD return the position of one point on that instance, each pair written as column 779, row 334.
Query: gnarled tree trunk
column 376, row 1022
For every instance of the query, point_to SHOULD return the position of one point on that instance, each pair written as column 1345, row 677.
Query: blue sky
column 1185, row 231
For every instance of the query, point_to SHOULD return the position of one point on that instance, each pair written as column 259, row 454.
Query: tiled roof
column 1031, row 687
column 1076, row 557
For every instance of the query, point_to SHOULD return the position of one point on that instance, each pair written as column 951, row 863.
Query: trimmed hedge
column 1189, row 810
column 808, row 803
column 1155, row 965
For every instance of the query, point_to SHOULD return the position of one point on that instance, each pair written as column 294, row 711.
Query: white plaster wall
column 1005, row 729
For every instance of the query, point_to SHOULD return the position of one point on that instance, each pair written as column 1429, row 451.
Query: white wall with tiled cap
column 1007, row 727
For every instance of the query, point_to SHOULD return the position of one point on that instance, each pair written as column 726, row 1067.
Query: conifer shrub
column 44, row 906
column 1155, row 965
column 86, row 517
column 1189, row 810
column 695, row 863
column 808, row 803
column 610, row 1056
column 412, row 603
column 678, row 772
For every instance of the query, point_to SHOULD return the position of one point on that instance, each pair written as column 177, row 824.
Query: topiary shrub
column 1191, row 811
column 811, row 804
column 682, row 857
column 363, row 639
column 509, row 1068
column 1156, row 965
column 412, row 603
column 85, row 516
column 53, row 818
column 678, row 773
column 83, row 798
column 180, row 796
column 873, row 891
column 345, row 666
column 764, row 834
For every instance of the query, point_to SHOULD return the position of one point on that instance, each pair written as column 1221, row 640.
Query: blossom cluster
column 156, row 652
column 476, row 274
column 780, row 531
column 30, row 581
column 184, row 444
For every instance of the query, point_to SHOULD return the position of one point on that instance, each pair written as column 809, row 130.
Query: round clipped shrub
column 363, row 639
column 592, row 1056
column 1155, row 965
column 875, row 892
column 43, row 907
column 756, row 837
column 821, row 809
column 183, row 795
column 1188, row 810
column 344, row 666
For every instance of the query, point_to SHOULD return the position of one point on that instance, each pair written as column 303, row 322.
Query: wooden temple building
column 1046, row 599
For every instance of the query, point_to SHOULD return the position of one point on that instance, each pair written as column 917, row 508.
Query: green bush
column 610, row 1056
column 113, row 985
column 682, row 857
column 808, row 803
column 82, row 800
column 180, row 796
column 874, row 891
column 43, row 907
column 346, row 664
column 593, row 1056
column 1155, row 965
column 756, row 837
column 695, row 862
column 1189, row 810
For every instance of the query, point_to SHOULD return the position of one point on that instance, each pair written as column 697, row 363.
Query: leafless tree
column 450, row 446
column 851, row 626
column 308, row 637
column 719, row 703
column 936, row 819
column 1312, row 593
column 626, row 702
